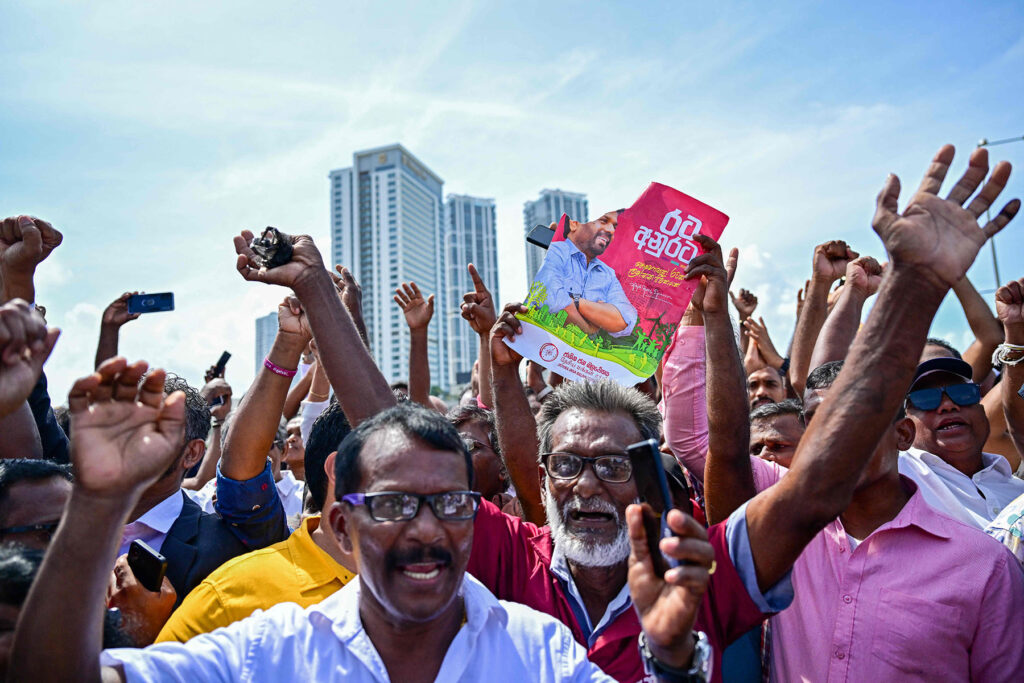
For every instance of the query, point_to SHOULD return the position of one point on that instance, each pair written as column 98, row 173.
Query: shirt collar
column 288, row 484
column 990, row 462
column 313, row 566
column 619, row 604
column 574, row 252
column 916, row 512
column 162, row 516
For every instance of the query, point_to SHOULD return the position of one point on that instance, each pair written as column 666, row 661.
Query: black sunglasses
column 966, row 394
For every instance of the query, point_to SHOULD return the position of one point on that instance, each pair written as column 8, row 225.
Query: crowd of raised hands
column 339, row 497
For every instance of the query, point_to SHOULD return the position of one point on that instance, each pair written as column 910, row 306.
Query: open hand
column 306, row 262
column 349, row 291
column 507, row 326
column 668, row 605
column 116, row 313
column 126, row 434
column 478, row 305
column 418, row 311
column 759, row 335
column 938, row 237
column 25, row 344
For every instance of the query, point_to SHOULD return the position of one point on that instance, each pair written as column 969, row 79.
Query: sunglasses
column 966, row 394
column 44, row 531
column 397, row 506
column 613, row 468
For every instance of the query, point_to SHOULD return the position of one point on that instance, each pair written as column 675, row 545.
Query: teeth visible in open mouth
column 422, row 576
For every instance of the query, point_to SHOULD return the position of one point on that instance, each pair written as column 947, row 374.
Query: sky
column 151, row 133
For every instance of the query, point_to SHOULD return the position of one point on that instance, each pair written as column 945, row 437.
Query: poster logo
column 548, row 352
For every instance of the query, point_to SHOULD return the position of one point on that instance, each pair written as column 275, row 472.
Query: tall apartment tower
column 266, row 330
column 386, row 226
column 545, row 210
column 469, row 237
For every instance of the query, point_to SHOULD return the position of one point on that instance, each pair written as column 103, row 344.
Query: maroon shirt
column 512, row 558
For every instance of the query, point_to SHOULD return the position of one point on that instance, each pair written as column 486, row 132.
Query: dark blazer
column 196, row 544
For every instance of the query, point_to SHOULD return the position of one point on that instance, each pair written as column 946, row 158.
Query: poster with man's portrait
column 610, row 293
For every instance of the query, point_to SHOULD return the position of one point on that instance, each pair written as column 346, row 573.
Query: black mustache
column 426, row 555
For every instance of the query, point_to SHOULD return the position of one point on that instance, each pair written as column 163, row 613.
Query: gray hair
column 790, row 406
column 605, row 396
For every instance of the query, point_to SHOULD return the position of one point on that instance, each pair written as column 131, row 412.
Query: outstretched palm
column 126, row 435
column 418, row 311
column 938, row 235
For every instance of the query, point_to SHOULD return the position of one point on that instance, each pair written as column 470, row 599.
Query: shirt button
column 255, row 507
column 847, row 599
column 842, row 549
column 840, row 655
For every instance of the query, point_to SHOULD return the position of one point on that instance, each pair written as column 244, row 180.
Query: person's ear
column 339, row 525
column 905, row 433
column 541, row 478
column 194, row 452
column 329, row 470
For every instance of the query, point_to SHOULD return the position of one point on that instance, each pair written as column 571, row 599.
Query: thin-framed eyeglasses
column 614, row 468
column 399, row 506
column 44, row 530
column 965, row 394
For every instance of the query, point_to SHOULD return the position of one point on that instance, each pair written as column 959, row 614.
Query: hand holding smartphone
column 148, row 565
column 151, row 303
column 652, row 485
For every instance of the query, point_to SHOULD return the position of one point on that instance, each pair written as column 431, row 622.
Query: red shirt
column 513, row 559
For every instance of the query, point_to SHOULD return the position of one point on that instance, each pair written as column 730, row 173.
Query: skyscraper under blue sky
column 547, row 209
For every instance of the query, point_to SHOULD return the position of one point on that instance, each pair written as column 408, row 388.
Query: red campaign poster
column 610, row 293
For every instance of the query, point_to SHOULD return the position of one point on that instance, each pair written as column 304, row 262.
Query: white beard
column 583, row 551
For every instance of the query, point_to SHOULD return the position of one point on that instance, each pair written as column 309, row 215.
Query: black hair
column 197, row 412
column 789, row 406
column 63, row 417
column 409, row 418
column 329, row 429
column 462, row 414
column 935, row 341
column 16, row 470
column 824, row 375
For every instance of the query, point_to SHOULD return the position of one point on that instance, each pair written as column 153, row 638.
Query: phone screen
column 151, row 303
column 652, row 485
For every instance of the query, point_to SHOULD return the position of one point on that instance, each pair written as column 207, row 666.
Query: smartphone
column 151, row 303
column 148, row 565
column 541, row 235
column 652, row 485
column 218, row 369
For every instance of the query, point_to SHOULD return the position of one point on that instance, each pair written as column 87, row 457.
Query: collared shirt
column 924, row 597
column 499, row 641
column 975, row 500
column 1008, row 528
column 513, row 558
column 289, row 489
column 294, row 570
column 309, row 411
column 153, row 525
column 252, row 508
column 565, row 271
column 619, row 604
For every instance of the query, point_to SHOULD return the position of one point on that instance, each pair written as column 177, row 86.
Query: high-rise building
column 545, row 210
column 469, row 237
column 386, row 226
column 266, row 330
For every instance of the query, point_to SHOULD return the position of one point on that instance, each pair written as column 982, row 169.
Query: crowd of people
column 849, row 510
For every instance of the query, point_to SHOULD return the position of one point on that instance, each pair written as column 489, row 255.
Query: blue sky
column 150, row 133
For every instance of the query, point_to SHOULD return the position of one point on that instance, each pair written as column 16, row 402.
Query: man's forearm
column 419, row 368
column 1013, row 403
column 296, row 394
column 361, row 388
column 987, row 330
column 74, row 572
column 254, row 427
column 17, row 286
column 107, row 346
column 20, row 435
column 806, row 334
column 578, row 320
column 517, row 437
column 839, row 329
column 728, row 480
column 484, row 372
column 848, row 426
column 604, row 315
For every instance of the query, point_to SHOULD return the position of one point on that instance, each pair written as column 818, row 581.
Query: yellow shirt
column 294, row 570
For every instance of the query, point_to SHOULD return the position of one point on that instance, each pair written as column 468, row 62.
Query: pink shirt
column 685, row 410
column 924, row 597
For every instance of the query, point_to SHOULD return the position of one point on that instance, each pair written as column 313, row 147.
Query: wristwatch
column 576, row 300
column 699, row 671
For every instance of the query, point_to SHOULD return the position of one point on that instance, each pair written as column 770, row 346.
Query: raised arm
column 830, row 261
column 213, row 389
column 25, row 344
column 418, row 313
column 114, row 316
column 254, row 425
column 745, row 303
column 987, row 330
column 479, row 311
column 1010, row 309
column 931, row 245
column 361, row 388
column 517, row 428
column 863, row 277
column 126, row 436
column 25, row 242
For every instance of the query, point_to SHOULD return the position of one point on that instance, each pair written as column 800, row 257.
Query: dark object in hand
column 273, row 248
column 148, row 565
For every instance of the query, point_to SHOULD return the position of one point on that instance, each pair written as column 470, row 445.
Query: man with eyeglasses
column 32, row 497
column 947, row 461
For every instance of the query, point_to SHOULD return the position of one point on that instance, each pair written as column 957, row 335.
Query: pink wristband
column 277, row 369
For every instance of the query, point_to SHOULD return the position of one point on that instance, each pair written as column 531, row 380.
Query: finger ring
column 714, row 566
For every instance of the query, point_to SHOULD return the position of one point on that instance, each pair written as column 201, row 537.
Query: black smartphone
column 148, row 565
column 652, row 485
column 541, row 235
column 151, row 303
column 218, row 369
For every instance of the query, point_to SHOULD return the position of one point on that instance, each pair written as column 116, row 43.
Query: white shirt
column 152, row 527
column 973, row 500
column 500, row 641
column 309, row 411
column 289, row 488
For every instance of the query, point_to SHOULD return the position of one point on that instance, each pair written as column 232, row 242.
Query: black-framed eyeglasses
column 46, row 529
column 474, row 445
column 614, row 468
column 398, row 506
column 966, row 394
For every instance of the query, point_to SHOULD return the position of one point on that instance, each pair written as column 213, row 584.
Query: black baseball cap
column 953, row 366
